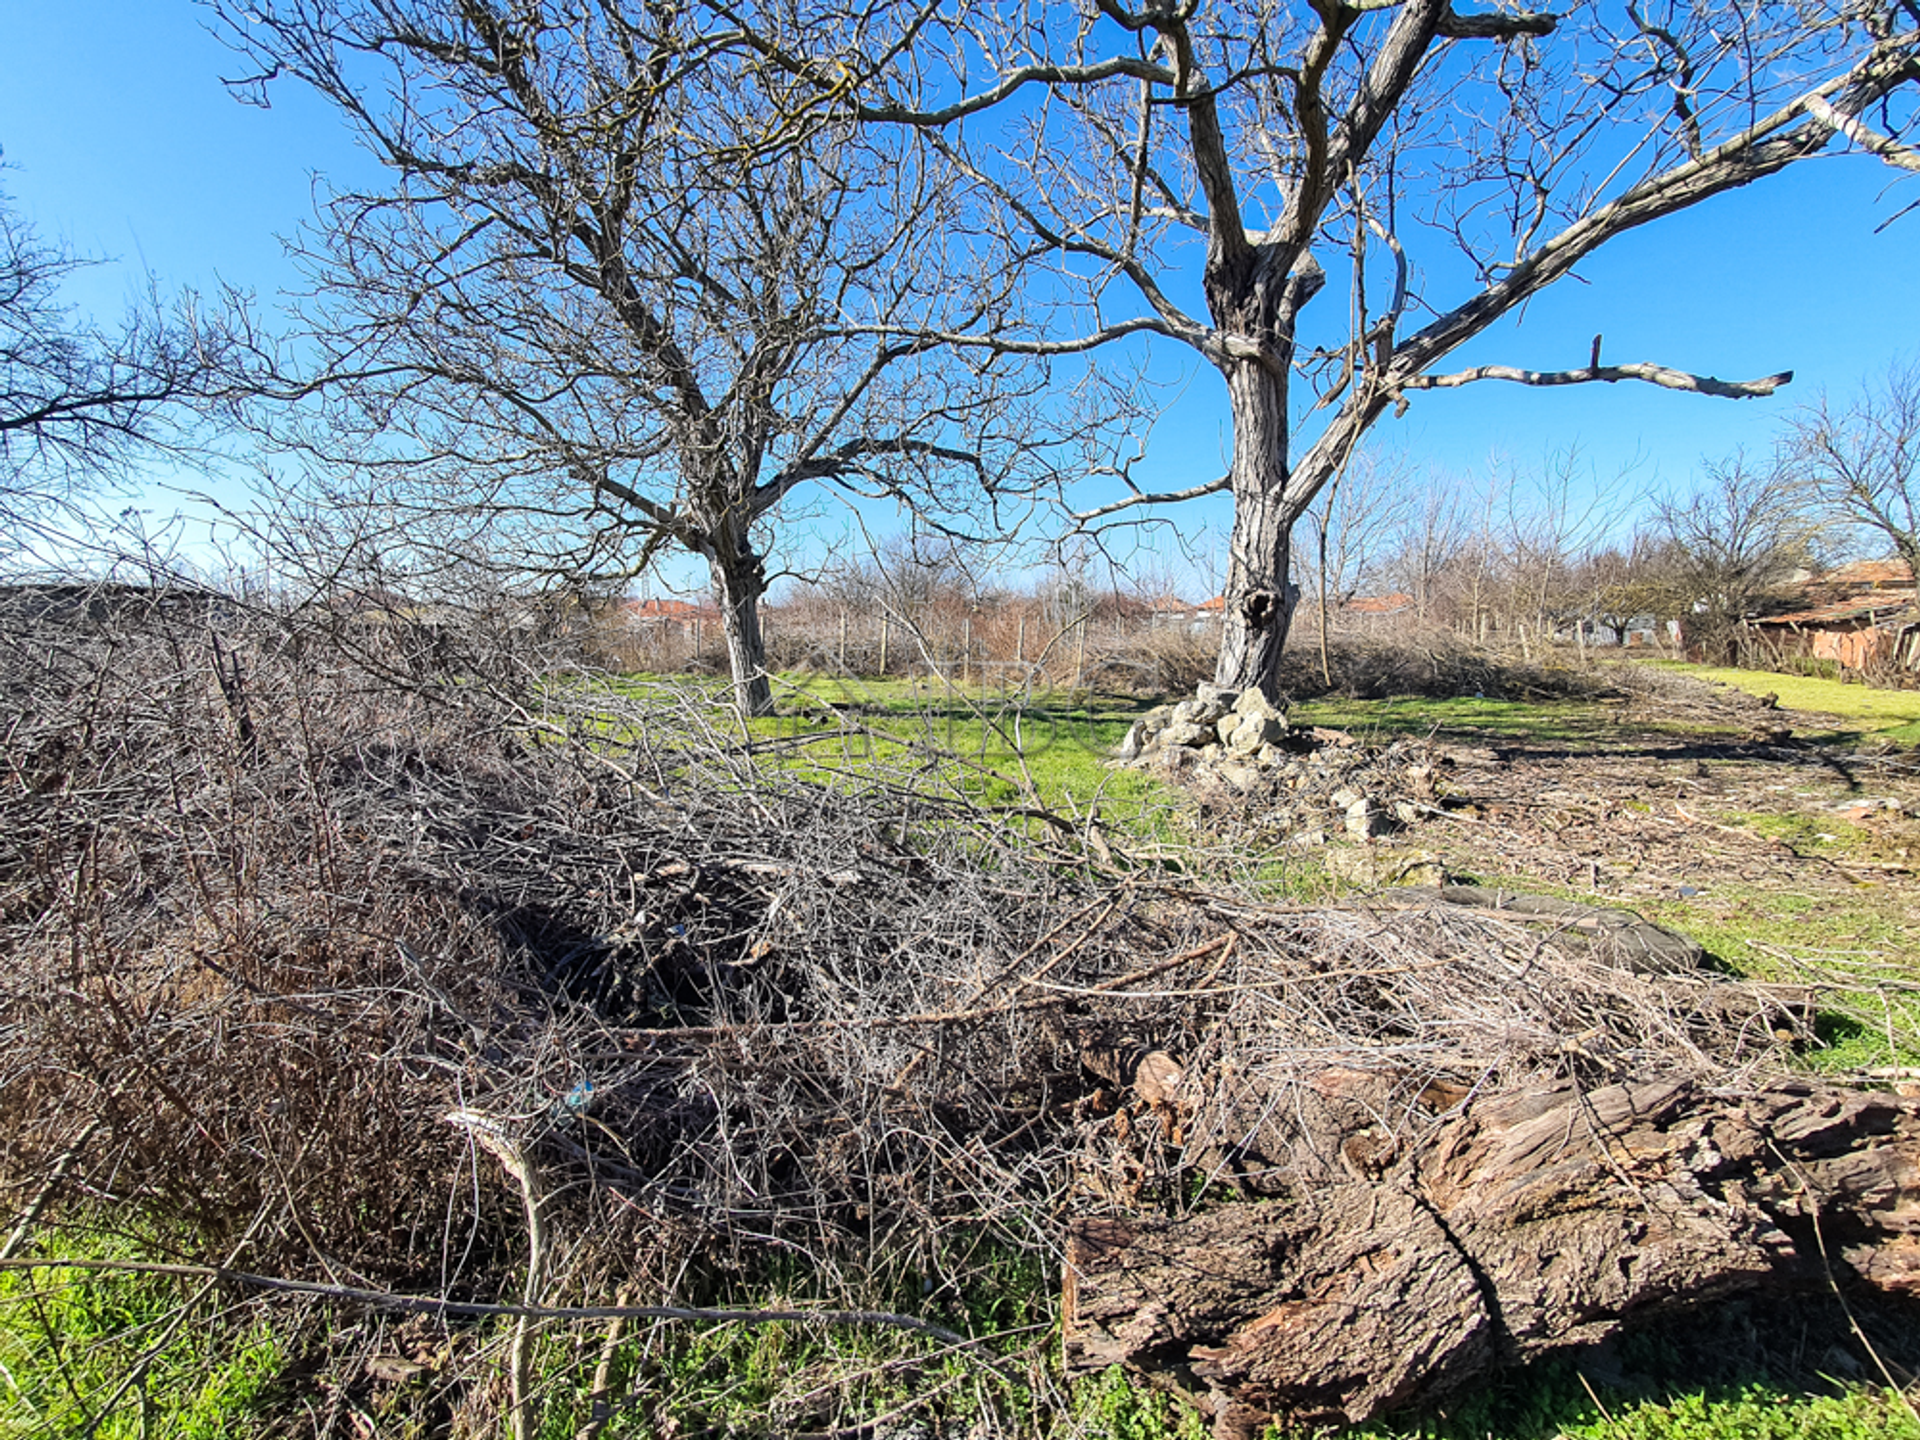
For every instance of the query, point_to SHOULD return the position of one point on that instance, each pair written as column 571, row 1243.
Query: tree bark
column 739, row 580
column 1259, row 591
column 1401, row 1268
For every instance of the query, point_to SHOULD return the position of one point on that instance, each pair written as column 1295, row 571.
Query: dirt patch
column 1655, row 816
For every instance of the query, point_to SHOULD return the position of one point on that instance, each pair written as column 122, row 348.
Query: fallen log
column 1515, row 1225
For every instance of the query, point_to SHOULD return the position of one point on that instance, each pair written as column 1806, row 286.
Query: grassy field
column 1884, row 714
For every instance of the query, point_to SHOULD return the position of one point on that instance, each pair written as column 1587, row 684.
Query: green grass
column 1563, row 721
column 777, row 1379
column 1563, row 1410
column 69, row 1338
column 1887, row 714
column 1545, row 1401
column 1013, row 749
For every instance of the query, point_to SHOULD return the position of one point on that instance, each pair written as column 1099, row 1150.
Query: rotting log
column 1516, row 1225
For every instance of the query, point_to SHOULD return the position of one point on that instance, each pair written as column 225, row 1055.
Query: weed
column 1111, row 1406
column 74, row 1355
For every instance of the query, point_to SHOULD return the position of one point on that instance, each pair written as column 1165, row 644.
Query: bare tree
column 1425, row 547
column 1862, row 459
column 1554, row 519
column 621, row 295
column 1737, row 541
column 1643, row 580
column 1348, row 526
column 79, row 402
column 1196, row 171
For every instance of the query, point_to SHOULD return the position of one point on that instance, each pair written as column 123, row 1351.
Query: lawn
column 1885, row 714
column 1052, row 749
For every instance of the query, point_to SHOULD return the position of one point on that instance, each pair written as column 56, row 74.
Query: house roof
column 1378, row 604
column 1869, row 572
column 1887, row 603
column 665, row 610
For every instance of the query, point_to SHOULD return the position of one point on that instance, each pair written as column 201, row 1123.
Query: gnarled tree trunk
column 739, row 580
column 1260, row 595
column 1526, row 1222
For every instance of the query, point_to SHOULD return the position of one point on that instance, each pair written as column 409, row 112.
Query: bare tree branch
column 1888, row 149
column 1661, row 375
column 1164, row 497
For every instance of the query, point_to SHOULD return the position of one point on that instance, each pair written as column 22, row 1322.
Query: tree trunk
column 740, row 580
column 1522, row 1223
column 1260, row 595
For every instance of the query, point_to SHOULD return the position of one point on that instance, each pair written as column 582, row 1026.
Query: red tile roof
column 666, row 610
column 1869, row 572
column 1378, row 604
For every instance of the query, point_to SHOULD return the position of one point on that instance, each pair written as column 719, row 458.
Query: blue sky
column 121, row 142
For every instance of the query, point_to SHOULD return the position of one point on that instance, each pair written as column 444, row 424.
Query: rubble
column 1239, row 754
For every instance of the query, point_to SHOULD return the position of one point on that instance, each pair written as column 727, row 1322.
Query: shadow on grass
column 1741, row 1369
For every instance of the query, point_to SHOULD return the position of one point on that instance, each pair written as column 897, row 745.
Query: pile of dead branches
column 366, row 972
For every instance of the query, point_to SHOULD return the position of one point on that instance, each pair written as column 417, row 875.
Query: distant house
column 1862, row 616
column 1205, row 615
column 679, row 617
column 1377, row 606
column 1866, row 575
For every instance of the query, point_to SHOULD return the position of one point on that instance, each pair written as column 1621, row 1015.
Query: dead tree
column 1394, row 1270
column 1861, row 460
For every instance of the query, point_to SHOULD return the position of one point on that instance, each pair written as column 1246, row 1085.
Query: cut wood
column 1515, row 1225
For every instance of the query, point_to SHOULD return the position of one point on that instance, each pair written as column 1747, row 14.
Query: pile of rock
column 1218, row 722
column 1237, row 751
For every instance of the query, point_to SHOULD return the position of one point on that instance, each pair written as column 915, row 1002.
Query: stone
column 1308, row 839
column 1134, row 742
column 1243, row 778
column 1374, row 868
column 1405, row 811
column 1225, row 727
column 1183, row 733
column 1344, row 798
column 1174, row 759
column 1243, row 739
column 1222, row 695
column 1364, row 820
column 1272, row 756
column 1252, row 702
column 1269, row 729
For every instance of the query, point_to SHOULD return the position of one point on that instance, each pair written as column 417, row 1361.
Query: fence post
column 843, row 641
column 1080, row 660
column 883, row 644
column 966, row 650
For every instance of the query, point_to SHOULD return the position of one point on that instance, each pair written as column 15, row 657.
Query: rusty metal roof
column 1881, row 604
